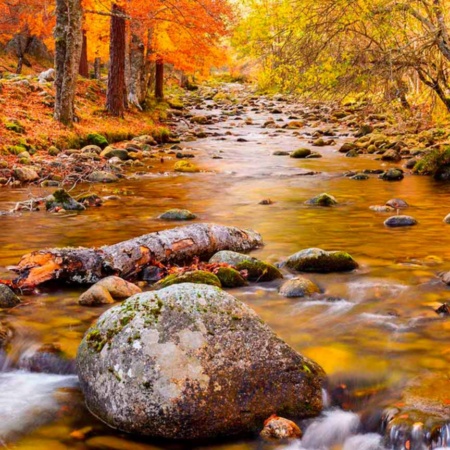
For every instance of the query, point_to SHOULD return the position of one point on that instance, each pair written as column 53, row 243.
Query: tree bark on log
column 127, row 259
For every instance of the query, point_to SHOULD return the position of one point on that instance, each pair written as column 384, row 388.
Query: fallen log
column 127, row 259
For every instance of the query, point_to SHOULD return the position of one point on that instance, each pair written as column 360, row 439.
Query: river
column 375, row 328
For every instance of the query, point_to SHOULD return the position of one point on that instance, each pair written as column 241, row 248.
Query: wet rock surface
column 321, row 261
column 180, row 362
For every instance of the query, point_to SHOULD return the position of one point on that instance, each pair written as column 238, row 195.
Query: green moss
column 53, row 151
column 97, row 139
column 259, row 270
column 197, row 277
column 322, row 200
column 15, row 126
column 95, row 340
column 433, row 162
column 161, row 135
column 230, row 277
column 16, row 149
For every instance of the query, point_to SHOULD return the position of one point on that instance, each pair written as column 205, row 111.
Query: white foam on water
column 336, row 429
column 27, row 400
column 362, row 290
column 369, row 441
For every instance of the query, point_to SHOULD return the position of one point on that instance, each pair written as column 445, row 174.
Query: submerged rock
column 192, row 362
column 397, row 203
column 196, row 276
column 321, row 261
column 257, row 270
column 277, row 428
column 8, row 298
column 108, row 290
column 400, row 221
column 299, row 287
column 47, row 358
column 177, row 214
column 322, row 200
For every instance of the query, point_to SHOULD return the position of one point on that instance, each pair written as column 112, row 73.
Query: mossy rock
column 321, row 261
column 177, row 214
column 16, row 149
column 97, row 139
column 299, row 287
column 186, row 167
column 62, row 199
column 110, row 152
column 301, row 153
column 322, row 200
column 230, row 277
column 196, row 277
column 257, row 270
column 392, row 175
column 161, row 135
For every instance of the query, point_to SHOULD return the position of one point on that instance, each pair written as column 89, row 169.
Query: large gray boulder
column 192, row 362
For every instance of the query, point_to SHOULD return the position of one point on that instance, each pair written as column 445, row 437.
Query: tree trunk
column 97, row 67
column 159, row 79
column 127, row 259
column 184, row 81
column 137, row 79
column 115, row 98
column 22, row 50
column 84, row 66
column 68, row 43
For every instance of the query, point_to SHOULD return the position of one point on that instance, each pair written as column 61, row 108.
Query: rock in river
column 400, row 221
column 177, row 214
column 257, row 270
column 107, row 291
column 299, row 287
column 7, row 297
column 321, row 261
column 196, row 276
column 192, row 362
column 322, row 200
column 301, row 153
column 392, row 175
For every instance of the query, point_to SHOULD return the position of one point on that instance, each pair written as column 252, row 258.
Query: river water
column 373, row 329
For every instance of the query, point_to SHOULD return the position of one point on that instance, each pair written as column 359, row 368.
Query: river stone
column 299, row 287
column 280, row 153
column 391, row 155
column 192, row 362
column 100, row 176
column 195, row 276
column 278, row 428
column 400, row 221
column 177, row 214
column 257, row 270
column 321, row 261
column 185, row 167
column 111, row 152
column 397, row 203
column 447, row 219
column 392, row 175
column 25, row 174
column 301, row 153
column 107, row 291
column 91, row 149
column 359, row 176
column 322, row 200
column 7, row 297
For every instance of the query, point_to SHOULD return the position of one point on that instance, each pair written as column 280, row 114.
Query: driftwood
column 127, row 259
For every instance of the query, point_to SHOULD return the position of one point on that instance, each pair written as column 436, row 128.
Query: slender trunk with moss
column 68, row 43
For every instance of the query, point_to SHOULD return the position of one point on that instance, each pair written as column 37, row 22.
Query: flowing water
column 375, row 328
